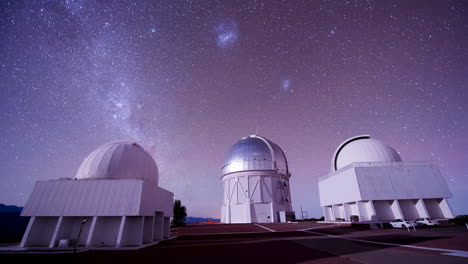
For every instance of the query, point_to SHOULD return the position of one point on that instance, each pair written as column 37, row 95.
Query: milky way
column 187, row 79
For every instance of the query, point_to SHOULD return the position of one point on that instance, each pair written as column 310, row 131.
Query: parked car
column 354, row 218
column 424, row 221
column 459, row 220
column 402, row 223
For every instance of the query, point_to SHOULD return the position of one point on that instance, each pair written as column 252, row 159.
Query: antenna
column 304, row 214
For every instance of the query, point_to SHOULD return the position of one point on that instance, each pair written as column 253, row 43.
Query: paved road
column 321, row 244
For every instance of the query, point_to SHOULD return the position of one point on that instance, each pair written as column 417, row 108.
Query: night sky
column 187, row 79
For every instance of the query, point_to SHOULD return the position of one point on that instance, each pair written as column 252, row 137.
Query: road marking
column 317, row 227
column 228, row 233
column 463, row 254
column 269, row 229
column 449, row 252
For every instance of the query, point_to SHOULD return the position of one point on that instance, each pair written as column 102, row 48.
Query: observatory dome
column 363, row 149
column 253, row 153
column 119, row 160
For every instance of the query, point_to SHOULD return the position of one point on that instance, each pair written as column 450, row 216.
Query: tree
column 180, row 212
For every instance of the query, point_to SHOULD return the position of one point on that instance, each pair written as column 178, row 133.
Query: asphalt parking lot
column 285, row 243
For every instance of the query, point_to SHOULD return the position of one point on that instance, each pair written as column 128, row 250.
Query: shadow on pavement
column 402, row 239
column 186, row 250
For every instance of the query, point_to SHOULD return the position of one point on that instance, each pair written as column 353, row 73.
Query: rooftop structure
column 256, row 183
column 369, row 180
column 113, row 201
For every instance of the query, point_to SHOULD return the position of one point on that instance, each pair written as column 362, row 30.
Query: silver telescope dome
column 252, row 153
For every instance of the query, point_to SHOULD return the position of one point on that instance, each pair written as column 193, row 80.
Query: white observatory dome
column 363, row 149
column 119, row 160
column 253, row 153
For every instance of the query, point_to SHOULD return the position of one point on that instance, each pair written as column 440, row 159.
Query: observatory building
column 256, row 183
column 114, row 201
column 369, row 180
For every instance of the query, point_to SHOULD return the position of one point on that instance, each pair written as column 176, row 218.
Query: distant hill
column 191, row 219
column 10, row 209
column 12, row 225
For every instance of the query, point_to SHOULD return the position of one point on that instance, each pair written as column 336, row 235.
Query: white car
column 402, row 223
column 426, row 222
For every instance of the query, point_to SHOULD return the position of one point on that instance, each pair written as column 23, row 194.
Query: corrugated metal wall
column 85, row 198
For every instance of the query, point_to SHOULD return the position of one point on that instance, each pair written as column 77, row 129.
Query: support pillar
column 142, row 229
column 343, row 212
column 272, row 217
column 396, row 209
column 158, row 226
column 332, row 210
column 27, row 232
column 57, row 228
column 325, row 215
column 421, row 208
column 371, row 211
column 347, row 211
column 121, row 229
column 148, row 230
column 249, row 211
column 249, row 200
column 167, row 226
column 89, row 239
column 362, row 213
column 445, row 207
column 333, row 213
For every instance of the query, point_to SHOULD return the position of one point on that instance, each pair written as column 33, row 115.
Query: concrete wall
column 255, row 197
column 338, row 211
column 148, row 229
column 158, row 226
column 421, row 208
column 120, row 212
column 39, row 232
column 408, row 209
column 446, row 209
column 261, row 213
column 239, row 213
column 167, row 226
column 365, row 211
column 106, row 231
column 132, row 231
column 266, row 190
column 385, row 191
column 386, row 210
column 328, row 214
column 255, row 189
column 69, row 229
column 340, row 188
column 383, row 210
column 401, row 182
column 354, row 209
column 154, row 198
column 433, row 208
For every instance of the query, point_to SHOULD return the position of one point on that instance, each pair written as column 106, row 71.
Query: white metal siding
column 340, row 188
column 156, row 199
column 401, row 182
column 84, row 198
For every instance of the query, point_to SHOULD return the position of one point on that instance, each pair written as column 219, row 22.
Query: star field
column 187, row 79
